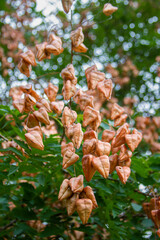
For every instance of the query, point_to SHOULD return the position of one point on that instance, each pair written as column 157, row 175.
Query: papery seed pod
column 55, row 45
column 51, row 92
column 65, row 147
column 89, row 146
column 68, row 117
column 156, row 121
column 90, row 195
column 34, row 140
column 105, row 88
column 126, row 163
column 123, row 173
column 124, row 154
column 57, row 107
column 83, row 99
column 69, row 158
column 75, row 134
column 29, row 57
column 31, row 121
column 43, row 103
column 90, row 134
column 77, row 37
column 102, row 148
column 156, row 217
column 116, row 149
column 67, row 5
column 113, row 159
column 37, row 129
column 147, row 208
column 81, row 48
column 42, row 116
column 90, row 115
column 24, row 67
column 108, row 135
column 26, row 89
column 68, row 90
column 76, row 184
column 116, row 111
column 84, row 209
column 120, row 120
column 19, row 105
column 68, row 73
column 109, row 9
column 133, row 140
column 71, row 204
column 120, row 136
column 65, row 191
column 15, row 93
column 158, row 232
column 93, row 77
column 102, row 165
column 41, row 51
column 88, row 169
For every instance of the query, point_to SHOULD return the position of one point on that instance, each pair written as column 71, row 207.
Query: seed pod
column 19, row 105
column 88, row 169
column 113, row 159
column 43, row 103
column 71, row 204
column 102, row 165
column 31, row 121
column 65, row 191
column 102, row 148
column 15, row 93
column 42, row 116
column 116, row 111
column 91, row 116
column 34, row 140
column 89, row 146
column 76, row 184
column 126, row 163
column 90, row 195
column 69, row 158
column 120, row 120
column 66, row 147
column 83, row 99
column 68, row 90
column 156, row 217
column 105, row 88
column 133, row 139
column 24, row 67
column 29, row 58
column 75, row 134
column 124, row 154
column 51, row 92
column 109, row 9
column 68, row 73
column 67, row 5
column 158, row 232
column 77, row 37
column 68, row 117
column 108, row 135
column 93, row 77
column 120, row 137
column 90, row 134
column 57, row 107
column 147, row 208
column 123, row 173
column 81, row 48
column 84, row 209
column 41, row 51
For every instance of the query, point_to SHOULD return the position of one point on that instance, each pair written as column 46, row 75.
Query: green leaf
column 13, row 169
column 136, row 207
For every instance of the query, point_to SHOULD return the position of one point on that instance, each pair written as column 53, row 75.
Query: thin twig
column 8, row 225
column 4, row 137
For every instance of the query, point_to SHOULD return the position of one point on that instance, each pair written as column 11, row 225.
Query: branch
column 8, row 225
column 4, row 137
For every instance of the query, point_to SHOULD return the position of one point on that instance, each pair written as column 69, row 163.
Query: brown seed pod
column 29, row 58
column 69, row 158
column 109, row 9
column 71, row 204
column 68, row 90
column 42, row 116
column 19, row 105
column 43, row 103
column 120, row 120
column 124, row 154
column 90, row 134
column 75, row 134
column 65, row 191
column 108, row 135
column 133, row 140
column 102, row 148
column 76, row 184
column 120, row 136
column 126, row 163
column 102, row 165
column 123, row 173
column 116, row 111
column 57, row 107
column 83, row 99
column 88, row 169
column 88, row 193
column 93, row 77
column 113, row 159
column 68, row 73
column 41, row 51
column 65, row 147
column 34, row 140
column 84, row 209
column 156, row 217
column 147, row 208
column 51, row 92
column 15, row 93
column 31, row 121
column 91, row 116
column 105, row 88
column 67, row 4
column 77, row 37
column 81, row 48
column 68, row 117
column 24, row 67
column 89, row 147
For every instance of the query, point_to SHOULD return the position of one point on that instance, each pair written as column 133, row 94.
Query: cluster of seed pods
column 98, row 155
column 152, row 209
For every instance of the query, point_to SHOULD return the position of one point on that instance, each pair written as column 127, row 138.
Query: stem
column 8, row 225
column 4, row 137
column 71, row 41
